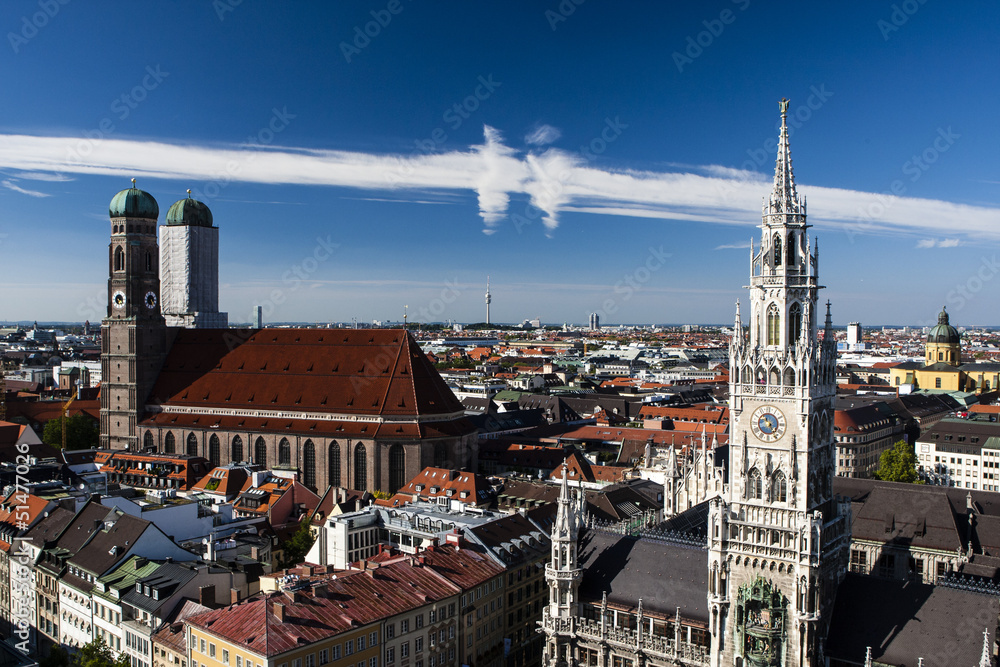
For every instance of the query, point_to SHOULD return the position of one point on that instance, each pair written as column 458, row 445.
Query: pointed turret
column 784, row 198
column 985, row 660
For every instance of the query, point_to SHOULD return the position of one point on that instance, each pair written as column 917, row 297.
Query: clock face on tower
column 118, row 299
column 150, row 300
column 767, row 423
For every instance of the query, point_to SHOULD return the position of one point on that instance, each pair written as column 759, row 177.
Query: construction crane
column 65, row 409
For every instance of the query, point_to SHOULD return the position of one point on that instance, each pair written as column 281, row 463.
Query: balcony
column 630, row 640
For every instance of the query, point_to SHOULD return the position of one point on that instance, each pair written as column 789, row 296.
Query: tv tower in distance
column 489, row 298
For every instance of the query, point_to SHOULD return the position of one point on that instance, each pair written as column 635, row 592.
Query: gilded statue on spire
column 783, row 105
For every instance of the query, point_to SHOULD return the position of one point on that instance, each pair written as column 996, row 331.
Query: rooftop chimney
column 234, row 595
column 206, row 596
column 279, row 611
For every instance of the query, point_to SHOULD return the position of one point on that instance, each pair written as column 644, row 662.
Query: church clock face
column 767, row 423
column 150, row 300
column 118, row 299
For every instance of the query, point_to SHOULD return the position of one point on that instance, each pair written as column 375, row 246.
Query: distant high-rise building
column 489, row 299
column 595, row 321
column 853, row 334
column 258, row 317
column 189, row 267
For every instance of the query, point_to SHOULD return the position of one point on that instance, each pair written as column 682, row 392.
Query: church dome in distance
column 134, row 203
column 189, row 212
column 943, row 332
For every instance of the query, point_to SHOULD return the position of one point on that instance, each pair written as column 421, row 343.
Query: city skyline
column 613, row 159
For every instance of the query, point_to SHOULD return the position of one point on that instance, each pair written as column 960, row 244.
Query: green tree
column 898, row 464
column 99, row 654
column 80, row 432
column 298, row 545
column 57, row 657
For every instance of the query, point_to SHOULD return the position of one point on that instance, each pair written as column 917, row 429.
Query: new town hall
column 757, row 587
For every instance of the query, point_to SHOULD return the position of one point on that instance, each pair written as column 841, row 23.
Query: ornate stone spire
column 984, row 660
column 784, row 198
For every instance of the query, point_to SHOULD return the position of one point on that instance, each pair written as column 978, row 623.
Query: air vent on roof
column 250, row 400
column 375, row 403
column 320, row 339
column 205, row 397
column 309, row 370
column 372, row 339
column 297, row 339
column 402, row 403
column 275, row 399
column 362, row 369
column 287, row 366
column 298, row 400
column 229, row 397
column 274, row 340
column 185, row 395
column 350, row 401
column 240, row 367
column 404, row 371
column 334, row 369
column 264, row 367
column 323, row 402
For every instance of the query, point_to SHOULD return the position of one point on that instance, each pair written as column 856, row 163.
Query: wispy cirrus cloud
column 11, row 185
column 555, row 181
column 938, row 243
column 745, row 245
column 542, row 135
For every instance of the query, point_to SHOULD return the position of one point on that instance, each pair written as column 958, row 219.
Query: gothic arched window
column 789, row 377
column 790, row 250
column 309, row 464
column 119, row 259
column 397, row 468
column 192, row 444
column 149, row 261
column 284, row 453
column 773, row 325
column 260, row 452
column 441, row 455
column 148, row 442
column 779, row 488
column 168, row 443
column 236, row 450
column 333, row 463
column 777, row 250
column 794, row 323
column 214, row 451
column 360, row 468
column 754, row 484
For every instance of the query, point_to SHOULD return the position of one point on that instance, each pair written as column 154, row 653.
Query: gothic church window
column 794, row 323
column 397, row 467
column 260, row 452
column 236, row 449
column 777, row 250
column 773, row 325
column 192, row 444
column 360, row 467
column 779, row 488
column 309, row 464
column 214, row 447
column 168, row 443
column 333, row 462
column 284, row 453
column 147, row 441
column 754, row 484
column 119, row 259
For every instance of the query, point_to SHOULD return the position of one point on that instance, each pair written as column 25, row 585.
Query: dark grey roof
column 166, row 579
column 904, row 621
column 665, row 576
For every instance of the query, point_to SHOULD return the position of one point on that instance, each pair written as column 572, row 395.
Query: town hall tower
column 777, row 537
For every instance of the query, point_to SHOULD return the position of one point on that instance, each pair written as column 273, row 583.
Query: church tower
column 189, row 267
column 133, row 335
column 563, row 576
column 777, row 537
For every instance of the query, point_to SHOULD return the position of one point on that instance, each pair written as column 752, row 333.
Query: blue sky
column 591, row 157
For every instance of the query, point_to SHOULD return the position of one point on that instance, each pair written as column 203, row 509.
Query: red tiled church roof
column 353, row 372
